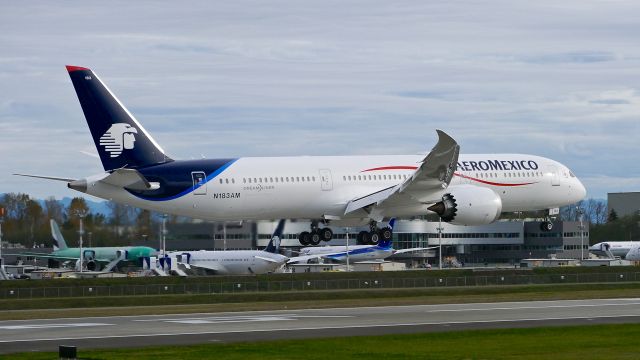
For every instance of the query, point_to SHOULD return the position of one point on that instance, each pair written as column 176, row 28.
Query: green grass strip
column 575, row 342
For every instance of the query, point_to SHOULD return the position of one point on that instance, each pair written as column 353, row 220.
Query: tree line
column 26, row 222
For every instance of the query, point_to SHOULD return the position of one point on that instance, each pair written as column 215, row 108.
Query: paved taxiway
column 135, row 331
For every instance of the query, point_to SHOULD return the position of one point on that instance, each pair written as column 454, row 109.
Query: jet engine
column 468, row 205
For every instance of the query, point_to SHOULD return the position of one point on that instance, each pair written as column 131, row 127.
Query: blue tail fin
column 121, row 141
column 274, row 244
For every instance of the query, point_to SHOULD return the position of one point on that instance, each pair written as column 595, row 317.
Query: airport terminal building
column 503, row 242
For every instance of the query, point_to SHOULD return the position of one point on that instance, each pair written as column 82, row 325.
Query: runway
column 155, row 330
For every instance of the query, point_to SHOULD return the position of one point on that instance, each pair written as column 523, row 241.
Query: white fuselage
column 308, row 187
column 616, row 248
column 234, row 262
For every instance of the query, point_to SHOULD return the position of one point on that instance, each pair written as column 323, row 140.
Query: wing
column 422, row 189
column 266, row 259
column 47, row 256
column 402, row 251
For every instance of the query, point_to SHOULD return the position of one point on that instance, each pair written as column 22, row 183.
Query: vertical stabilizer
column 120, row 140
column 274, row 244
column 58, row 240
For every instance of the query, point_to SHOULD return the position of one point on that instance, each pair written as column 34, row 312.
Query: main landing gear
column 374, row 236
column 316, row 235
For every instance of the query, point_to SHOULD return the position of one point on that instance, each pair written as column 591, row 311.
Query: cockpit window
column 571, row 173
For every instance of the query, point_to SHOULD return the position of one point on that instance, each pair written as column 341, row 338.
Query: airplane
column 615, row 248
column 634, row 253
column 236, row 262
column 93, row 257
column 356, row 253
column 328, row 190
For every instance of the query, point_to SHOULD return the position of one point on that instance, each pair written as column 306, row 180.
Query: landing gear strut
column 316, row 235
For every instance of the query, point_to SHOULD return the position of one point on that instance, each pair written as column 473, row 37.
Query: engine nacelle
column 468, row 205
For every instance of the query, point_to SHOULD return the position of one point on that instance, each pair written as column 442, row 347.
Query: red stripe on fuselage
column 391, row 168
column 491, row 182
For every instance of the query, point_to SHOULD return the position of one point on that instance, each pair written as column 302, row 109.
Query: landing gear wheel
column 304, row 238
column 386, row 234
column 363, row 238
column 546, row 226
column 315, row 238
column 374, row 238
column 325, row 234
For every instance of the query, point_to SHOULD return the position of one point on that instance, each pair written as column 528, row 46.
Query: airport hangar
column 500, row 243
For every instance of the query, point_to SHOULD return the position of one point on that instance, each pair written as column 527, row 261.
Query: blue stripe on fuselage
column 359, row 252
column 175, row 177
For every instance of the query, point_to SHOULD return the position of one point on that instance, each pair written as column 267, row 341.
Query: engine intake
column 468, row 205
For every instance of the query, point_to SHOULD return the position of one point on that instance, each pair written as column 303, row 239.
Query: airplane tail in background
column 274, row 244
column 58, row 240
column 388, row 243
column 120, row 140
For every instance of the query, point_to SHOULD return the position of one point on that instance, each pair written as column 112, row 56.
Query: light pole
column 81, row 215
column 580, row 214
column 164, row 233
column 347, row 249
column 1, row 220
column 440, row 243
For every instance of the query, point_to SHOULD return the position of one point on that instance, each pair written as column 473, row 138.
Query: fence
column 305, row 285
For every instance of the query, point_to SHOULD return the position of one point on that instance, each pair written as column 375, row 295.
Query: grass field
column 144, row 305
column 579, row 342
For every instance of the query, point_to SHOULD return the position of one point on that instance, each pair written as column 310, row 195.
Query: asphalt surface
column 168, row 329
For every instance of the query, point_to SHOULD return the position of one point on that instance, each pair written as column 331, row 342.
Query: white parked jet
column 236, row 262
column 341, row 190
column 615, row 248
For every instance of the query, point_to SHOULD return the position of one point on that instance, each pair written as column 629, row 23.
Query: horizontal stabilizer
column 47, row 177
column 129, row 179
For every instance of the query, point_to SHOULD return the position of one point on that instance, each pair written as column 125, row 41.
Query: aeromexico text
column 506, row 165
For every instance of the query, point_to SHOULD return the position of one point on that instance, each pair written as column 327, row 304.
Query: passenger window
column 226, row 180
column 220, row 181
column 233, row 181
column 244, row 180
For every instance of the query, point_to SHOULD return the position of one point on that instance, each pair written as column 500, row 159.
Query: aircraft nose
column 581, row 191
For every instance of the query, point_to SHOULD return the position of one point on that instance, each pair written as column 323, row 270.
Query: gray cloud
column 249, row 78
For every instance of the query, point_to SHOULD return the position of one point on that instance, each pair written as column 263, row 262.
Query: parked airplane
column 340, row 190
column 615, row 248
column 236, row 262
column 634, row 253
column 354, row 253
column 94, row 257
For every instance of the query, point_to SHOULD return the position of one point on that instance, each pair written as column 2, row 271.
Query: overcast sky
column 255, row 78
